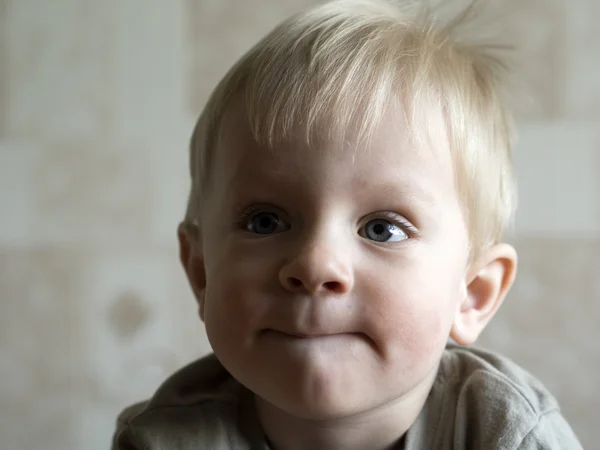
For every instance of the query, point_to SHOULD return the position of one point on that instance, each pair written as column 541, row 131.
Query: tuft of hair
column 336, row 67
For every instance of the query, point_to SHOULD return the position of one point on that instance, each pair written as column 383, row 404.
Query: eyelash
column 397, row 220
column 244, row 215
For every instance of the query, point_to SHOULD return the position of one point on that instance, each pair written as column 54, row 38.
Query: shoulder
column 199, row 404
column 203, row 384
column 484, row 400
column 480, row 376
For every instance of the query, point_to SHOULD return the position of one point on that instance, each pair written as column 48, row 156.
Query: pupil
column 379, row 228
column 265, row 222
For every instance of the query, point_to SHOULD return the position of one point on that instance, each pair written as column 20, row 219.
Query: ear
column 488, row 282
column 192, row 258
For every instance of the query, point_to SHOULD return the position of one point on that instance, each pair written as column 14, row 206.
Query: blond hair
column 340, row 64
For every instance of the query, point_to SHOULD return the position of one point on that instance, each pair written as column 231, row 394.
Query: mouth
column 303, row 339
column 303, row 335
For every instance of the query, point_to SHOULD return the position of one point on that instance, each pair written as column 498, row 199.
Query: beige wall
column 97, row 99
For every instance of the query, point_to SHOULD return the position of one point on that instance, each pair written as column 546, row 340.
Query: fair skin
column 330, row 277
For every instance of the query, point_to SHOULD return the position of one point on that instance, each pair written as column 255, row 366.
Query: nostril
column 295, row 282
column 333, row 286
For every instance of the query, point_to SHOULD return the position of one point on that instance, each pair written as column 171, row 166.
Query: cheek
column 415, row 340
column 415, row 324
column 412, row 317
column 234, row 300
column 225, row 319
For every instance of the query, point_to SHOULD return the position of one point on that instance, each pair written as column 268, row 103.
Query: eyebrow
column 270, row 176
column 405, row 187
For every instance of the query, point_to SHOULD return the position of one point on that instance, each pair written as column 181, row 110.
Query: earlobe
column 492, row 276
column 192, row 259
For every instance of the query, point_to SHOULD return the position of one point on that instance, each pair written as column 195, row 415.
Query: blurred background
column 97, row 101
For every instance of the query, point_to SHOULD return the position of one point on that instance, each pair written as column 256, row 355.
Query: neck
column 380, row 428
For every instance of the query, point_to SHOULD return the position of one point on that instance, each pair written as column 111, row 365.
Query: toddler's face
column 333, row 273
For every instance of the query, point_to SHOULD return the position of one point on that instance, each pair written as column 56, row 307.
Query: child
column 351, row 182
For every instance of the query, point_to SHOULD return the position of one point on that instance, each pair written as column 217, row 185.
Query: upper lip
column 301, row 334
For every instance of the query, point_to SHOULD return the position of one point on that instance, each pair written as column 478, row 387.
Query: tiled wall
column 97, row 100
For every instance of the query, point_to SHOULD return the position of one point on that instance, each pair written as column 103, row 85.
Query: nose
column 318, row 269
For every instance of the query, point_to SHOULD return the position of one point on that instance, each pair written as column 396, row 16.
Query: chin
column 320, row 409
column 315, row 403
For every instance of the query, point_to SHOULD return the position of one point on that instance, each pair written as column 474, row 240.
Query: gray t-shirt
column 478, row 401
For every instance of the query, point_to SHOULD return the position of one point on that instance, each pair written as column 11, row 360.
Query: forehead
column 393, row 152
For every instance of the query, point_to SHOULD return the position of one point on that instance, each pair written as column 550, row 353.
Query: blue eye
column 266, row 223
column 381, row 230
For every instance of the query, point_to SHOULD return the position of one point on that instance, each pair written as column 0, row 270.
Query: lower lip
column 326, row 344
